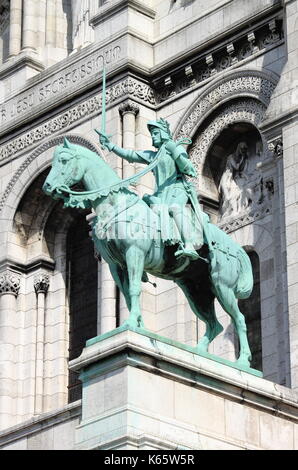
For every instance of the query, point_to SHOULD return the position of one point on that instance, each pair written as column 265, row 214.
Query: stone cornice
column 33, row 265
column 129, row 87
column 60, row 83
column 15, row 63
column 205, row 64
column 111, row 9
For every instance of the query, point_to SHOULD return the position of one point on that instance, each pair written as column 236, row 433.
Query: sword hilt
column 101, row 133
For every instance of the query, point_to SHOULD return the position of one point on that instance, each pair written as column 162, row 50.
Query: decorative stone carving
column 247, row 110
column 129, row 86
column 9, row 283
column 41, row 283
column 241, row 82
column 129, row 107
column 223, row 57
column 233, row 224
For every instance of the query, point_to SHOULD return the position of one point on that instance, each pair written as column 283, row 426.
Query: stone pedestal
column 142, row 391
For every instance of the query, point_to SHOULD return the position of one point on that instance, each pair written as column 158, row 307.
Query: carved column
column 108, row 300
column 128, row 111
column 9, row 289
column 15, row 27
column 29, row 29
column 41, row 286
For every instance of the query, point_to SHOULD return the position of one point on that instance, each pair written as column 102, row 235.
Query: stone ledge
column 104, row 432
column 138, row 385
column 39, row 423
column 106, row 11
column 148, row 351
column 23, row 60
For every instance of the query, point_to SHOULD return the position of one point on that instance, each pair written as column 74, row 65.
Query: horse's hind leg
column 228, row 301
column 120, row 277
column 203, row 307
column 135, row 267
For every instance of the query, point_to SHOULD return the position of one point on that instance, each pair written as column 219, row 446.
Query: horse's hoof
column 128, row 324
column 243, row 363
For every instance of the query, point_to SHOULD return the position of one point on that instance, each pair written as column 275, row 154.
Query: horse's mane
column 78, row 150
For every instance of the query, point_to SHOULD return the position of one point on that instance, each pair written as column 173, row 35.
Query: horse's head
column 67, row 169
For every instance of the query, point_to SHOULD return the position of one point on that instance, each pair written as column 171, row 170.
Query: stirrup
column 189, row 253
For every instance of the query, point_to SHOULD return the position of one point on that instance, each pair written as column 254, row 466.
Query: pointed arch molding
column 254, row 84
column 27, row 171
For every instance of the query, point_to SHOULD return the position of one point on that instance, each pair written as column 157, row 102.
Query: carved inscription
column 63, row 83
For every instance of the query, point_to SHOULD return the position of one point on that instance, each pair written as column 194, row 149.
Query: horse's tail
column 245, row 282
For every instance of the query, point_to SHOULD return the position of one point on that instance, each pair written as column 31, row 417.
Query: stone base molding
column 142, row 391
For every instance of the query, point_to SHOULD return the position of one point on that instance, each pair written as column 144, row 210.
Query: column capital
column 9, row 283
column 129, row 106
column 41, row 283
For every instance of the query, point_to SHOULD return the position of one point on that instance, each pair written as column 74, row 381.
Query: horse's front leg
column 135, row 267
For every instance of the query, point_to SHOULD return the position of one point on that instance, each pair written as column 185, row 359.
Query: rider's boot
column 187, row 250
column 183, row 222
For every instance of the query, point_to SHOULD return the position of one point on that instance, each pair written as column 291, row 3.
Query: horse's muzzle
column 47, row 188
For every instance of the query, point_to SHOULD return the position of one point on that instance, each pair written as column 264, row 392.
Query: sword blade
column 103, row 102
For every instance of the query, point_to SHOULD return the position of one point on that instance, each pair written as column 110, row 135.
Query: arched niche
column 232, row 105
column 218, row 137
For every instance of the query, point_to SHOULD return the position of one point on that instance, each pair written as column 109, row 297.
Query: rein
column 100, row 192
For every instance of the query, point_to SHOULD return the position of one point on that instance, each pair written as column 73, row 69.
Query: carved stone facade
column 221, row 73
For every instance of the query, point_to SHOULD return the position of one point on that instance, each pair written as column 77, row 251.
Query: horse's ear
column 66, row 143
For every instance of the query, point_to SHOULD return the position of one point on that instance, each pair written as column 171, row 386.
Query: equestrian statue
column 165, row 234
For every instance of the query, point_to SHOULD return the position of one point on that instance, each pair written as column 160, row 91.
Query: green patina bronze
column 172, row 239
column 165, row 234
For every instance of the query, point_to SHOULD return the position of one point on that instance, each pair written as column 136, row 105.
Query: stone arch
column 31, row 168
column 255, row 84
column 246, row 111
column 240, row 96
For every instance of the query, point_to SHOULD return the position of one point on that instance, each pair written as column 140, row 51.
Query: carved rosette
column 41, row 283
column 129, row 106
column 9, row 283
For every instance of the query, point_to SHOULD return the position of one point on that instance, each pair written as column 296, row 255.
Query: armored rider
column 171, row 187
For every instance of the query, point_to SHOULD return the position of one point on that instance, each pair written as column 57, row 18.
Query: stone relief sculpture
column 240, row 189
